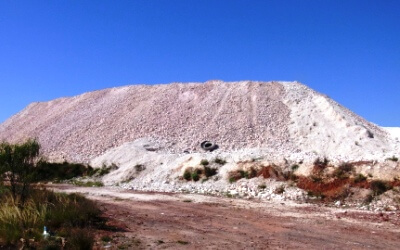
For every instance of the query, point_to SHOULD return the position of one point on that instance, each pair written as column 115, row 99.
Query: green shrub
column 262, row 186
column 244, row 174
column 393, row 158
column 46, row 171
column 316, row 178
column 204, row 162
column 378, row 187
column 319, row 166
column 239, row 174
column 220, row 161
column 107, row 169
column 187, row 175
column 195, row 176
column 343, row 171
column 290, row 176
column 360, row 178
column 17, row 167
column 321, row 162
column 24, row 211
column 294, row 167
column 208, row 172
column 346, row 167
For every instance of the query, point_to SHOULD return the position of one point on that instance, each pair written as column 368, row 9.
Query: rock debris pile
column 155, row 133
column 284, row 117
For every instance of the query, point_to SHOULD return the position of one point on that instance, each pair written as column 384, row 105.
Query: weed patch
column 187, row 175
column 378, row 187
column 262, row 186
column 319, row 166
column 220, row 161
column 88, row 183
column 46, row 171
column 294, row 167
column 197, row 174
column 71, row 216
column 266, row 172
column 343, row 171
column 208, row 172
column 107, row 169
column 393, row 158
column 360, row 178
column 204, row 162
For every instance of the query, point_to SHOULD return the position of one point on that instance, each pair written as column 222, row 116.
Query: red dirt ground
column 188, row 221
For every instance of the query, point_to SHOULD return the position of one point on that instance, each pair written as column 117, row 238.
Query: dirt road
column 188, row 221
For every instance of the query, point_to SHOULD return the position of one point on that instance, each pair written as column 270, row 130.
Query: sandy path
column 187, row 221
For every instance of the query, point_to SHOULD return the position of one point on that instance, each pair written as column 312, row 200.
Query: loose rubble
column 155, row 133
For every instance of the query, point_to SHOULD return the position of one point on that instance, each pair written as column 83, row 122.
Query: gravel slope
column 283, row 117
column 255, row 124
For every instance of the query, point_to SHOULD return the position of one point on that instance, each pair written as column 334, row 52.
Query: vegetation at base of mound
column 393, row 158
column 20, row 165
column 220, row 161
column 196, row 174
column 46, row 171
column 26, row 208
column 272, row 172
column 326, row 182
column 204, row 162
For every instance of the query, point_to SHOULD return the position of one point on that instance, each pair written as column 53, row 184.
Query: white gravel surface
column 282, row 123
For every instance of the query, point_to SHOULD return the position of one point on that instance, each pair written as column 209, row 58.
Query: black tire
column 208, row 146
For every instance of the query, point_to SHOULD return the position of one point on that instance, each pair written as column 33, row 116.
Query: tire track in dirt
column 252, row 99
column 221, row 106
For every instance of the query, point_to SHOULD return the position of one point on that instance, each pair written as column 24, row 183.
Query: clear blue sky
column 349, row 50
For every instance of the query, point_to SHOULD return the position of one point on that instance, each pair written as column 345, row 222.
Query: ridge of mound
column 281, row 117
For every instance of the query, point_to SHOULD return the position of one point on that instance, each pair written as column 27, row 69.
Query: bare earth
column 191, row 221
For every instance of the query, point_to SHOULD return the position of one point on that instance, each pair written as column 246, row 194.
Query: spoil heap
column 283, row 117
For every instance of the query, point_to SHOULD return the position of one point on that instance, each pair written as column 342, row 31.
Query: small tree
column 17, row 162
